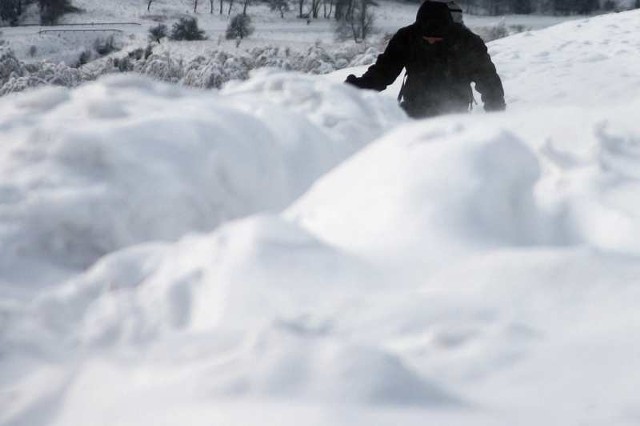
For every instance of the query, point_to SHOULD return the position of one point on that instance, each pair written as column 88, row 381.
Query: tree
column 158, row 32
column 300, row 9
column 10, row 11
column 149, row 5
column 239, row 27
column 341, row 9
column 52, row 10
column 187, row 29
column 315, row 8
column 245, row 4
column 280, row 6
column 327, row 6
column 522, row 7
column 356, row 20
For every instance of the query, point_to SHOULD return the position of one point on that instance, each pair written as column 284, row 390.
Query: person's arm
column 484, row 74
column 386, row 69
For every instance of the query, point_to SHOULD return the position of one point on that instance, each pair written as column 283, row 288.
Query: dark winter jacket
column 441, row 58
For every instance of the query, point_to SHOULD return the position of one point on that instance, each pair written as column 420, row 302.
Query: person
column 442, row 58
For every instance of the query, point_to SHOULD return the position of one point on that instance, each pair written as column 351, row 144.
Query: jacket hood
column 434, row 16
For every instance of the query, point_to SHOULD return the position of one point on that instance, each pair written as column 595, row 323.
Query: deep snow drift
column 466, row 270
column 126, row 160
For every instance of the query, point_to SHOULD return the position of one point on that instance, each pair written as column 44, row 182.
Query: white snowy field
column 292, row 250
column 129, row 22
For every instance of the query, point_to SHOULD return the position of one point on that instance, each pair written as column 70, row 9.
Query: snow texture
column 290, row 250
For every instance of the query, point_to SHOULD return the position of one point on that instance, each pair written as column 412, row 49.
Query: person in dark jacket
column 442, row 58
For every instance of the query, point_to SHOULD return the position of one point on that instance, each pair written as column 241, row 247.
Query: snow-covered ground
column 129, row 22
column 290, row 250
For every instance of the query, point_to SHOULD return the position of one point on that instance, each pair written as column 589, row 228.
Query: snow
column 128, row 24
column 125, row 160
column 292, row 250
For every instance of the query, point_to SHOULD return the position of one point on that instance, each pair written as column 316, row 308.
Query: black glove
column 353, row 80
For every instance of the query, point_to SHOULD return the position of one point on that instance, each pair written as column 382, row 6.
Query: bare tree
column 195, row 6
column 280, row 6
column 328, row 10
column 300, row 8
column 149, row 5
column 356, row 20
column 315, row 8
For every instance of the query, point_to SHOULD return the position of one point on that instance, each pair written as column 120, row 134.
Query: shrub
column 158, row 32
column 187, row 29
column 239, row 27
column 105, row 46
column 84, row 58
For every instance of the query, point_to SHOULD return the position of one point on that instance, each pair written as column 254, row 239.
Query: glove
column 353, row 80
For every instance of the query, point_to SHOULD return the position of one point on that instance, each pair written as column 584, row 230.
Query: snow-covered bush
column 187, row 29
column 204, row 73
column 10, row 66
column 272, row 57
column 317, row 61
column 162, row 67
column 215, row 71
column 210, row 71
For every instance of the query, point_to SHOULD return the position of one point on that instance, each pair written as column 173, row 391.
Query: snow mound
column 125, row 160
column 449, row 182
column 254, row 309
column 460, row 185
column 240, row 277
column 491, row 253
column 469, row 270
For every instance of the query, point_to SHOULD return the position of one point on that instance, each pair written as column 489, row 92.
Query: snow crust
column 291, row 250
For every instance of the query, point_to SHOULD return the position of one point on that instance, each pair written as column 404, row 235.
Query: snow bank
column 469, row 270
column 448, row 269
column 546, row 178
column 126, row 160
